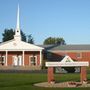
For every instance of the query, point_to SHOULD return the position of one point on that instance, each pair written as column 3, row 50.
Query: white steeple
column 17, row 35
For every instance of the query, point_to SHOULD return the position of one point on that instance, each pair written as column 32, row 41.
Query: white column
column 23, row 58
column 40, row 57
column 6, row 57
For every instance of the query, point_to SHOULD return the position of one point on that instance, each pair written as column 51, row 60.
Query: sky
column 69, row 19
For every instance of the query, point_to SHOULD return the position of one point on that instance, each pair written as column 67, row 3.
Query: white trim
column 40, row 57
column 20, row 60
column 20, row 50
column 66, row 64
column 6, row 57
column 23, row 57
column 16, row 60
column 30, row 60
column 17, row 46
column 13, row 63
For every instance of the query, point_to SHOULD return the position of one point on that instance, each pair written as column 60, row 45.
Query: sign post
column 50, row 74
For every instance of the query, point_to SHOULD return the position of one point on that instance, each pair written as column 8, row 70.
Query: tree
column 9, row 34
column 54, row 40
column 30, row 39
column 23, row 36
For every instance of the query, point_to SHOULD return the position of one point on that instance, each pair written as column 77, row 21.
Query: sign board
column 67, row 59
column 67, row 62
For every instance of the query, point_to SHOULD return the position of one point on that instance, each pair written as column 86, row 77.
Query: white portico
column 19, row 53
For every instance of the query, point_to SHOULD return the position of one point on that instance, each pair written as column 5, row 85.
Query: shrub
column 70, row 69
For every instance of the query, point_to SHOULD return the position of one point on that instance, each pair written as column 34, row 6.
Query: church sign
column 67, row 62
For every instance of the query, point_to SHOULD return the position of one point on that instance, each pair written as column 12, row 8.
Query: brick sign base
column 83, row 74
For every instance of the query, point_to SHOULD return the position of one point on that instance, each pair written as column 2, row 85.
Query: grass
column 21, row 81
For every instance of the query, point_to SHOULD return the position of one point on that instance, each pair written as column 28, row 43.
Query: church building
column 16, row 52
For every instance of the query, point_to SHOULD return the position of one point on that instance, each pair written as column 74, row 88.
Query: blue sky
column 69, row 19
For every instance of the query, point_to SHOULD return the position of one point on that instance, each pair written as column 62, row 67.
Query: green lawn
column 20, row 81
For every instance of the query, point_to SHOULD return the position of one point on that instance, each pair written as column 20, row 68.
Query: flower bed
column 72, row 84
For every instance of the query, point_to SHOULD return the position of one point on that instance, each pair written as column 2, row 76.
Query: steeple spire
column 18, row 23
column 17, row 35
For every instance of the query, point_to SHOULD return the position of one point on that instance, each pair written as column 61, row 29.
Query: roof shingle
column 70, row 47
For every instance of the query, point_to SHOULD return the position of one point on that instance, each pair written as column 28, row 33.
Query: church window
column 79, row 55
column 2, row 60
column 33, row 60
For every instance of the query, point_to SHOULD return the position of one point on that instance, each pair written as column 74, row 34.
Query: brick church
column 18, row 53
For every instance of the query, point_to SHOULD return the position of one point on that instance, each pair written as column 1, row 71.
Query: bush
column 70, row 69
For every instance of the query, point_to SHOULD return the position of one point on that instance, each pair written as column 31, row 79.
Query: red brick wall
column 83, row 75
column 85, row 56
column 28, row 54
column 38, row 59
column 50, row 74
column 26, row 57
column 10, row 57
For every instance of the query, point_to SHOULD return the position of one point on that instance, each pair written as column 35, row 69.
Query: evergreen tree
column 23, row 36
column 8, row 35
column 30, row 39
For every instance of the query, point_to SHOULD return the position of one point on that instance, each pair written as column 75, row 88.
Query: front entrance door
column 17, row 60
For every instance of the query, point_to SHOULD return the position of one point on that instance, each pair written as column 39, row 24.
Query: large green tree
column 8, row 34
column 23, row 36
column 54, row 40
column 30, row 39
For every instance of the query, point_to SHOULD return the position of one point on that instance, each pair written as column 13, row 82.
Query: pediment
column 67, row 59
column 15, row 45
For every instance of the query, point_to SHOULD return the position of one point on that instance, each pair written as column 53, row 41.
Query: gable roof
column 46, row 47
column 70, row 47
column 14, row 45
